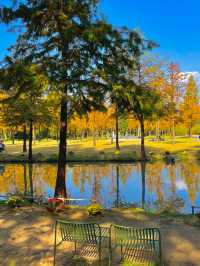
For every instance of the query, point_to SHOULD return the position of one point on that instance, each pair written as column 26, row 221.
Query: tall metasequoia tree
column 71, row 43
column 138, row 98
column 173, row 93
column 190, row 107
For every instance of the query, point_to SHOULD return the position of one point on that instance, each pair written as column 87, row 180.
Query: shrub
column 17, row 201
column 95, row 209
column 117, row 152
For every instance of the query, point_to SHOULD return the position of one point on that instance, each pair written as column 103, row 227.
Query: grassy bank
column 83, row 150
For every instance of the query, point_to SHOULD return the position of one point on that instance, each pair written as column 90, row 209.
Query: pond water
column 155, row 186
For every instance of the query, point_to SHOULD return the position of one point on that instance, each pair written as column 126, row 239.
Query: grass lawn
column 83, row 150
column 27, row 236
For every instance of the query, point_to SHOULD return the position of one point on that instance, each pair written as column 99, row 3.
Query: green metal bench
column 141, row 246
column 76, row 232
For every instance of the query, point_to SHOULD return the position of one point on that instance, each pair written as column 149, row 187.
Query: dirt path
column 26, row 236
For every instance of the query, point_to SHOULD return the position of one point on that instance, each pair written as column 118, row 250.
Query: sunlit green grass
column 83, row 150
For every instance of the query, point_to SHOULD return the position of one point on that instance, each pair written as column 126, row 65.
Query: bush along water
column 17, row 201
column 95, row 209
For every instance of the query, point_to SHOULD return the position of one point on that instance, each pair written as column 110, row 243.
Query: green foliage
column 95, row 209
column 17, row 201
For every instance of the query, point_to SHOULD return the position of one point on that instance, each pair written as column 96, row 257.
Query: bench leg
column 100, row 252
column 54, row 253
column 54, row 257
column 121, row 253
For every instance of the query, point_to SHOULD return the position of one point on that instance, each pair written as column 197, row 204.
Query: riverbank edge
column 84, row 158
column 167, row 217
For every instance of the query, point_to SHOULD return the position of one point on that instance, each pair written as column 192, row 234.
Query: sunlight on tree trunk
column 117, row 129
column 60, row 189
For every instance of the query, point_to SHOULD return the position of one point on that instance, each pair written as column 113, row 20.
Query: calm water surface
column 154, row 186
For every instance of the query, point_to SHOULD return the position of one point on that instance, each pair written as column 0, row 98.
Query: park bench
column 83, row 233
column 136, row 245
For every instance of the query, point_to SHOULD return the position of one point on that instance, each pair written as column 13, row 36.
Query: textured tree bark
column 173, row 131
column 117, row 129
column 30, row 151
column 60, row 189
column 24, row 139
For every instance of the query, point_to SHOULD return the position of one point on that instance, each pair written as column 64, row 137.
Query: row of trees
column 17, row 114
column 68, row 62
column 87, row 179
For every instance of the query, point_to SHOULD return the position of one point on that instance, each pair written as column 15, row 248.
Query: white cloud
column 180, row 185
column 196, row 76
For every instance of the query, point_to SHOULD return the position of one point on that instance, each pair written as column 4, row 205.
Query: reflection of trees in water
column 154, row 179
column 60, row 187
column 172, row 168
column 93, row 174
column 120, row 172
column 143, row 170
column 20, row 178
column 81, row 175
column 12, row 179
column 25, row 180
column 30, row 170
column 33, row 180
column 190, row 173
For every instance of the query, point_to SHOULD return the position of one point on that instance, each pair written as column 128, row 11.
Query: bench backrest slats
column 148, row 238
column 79, row 232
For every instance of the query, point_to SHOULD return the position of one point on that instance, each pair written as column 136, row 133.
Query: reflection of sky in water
column 99, row 182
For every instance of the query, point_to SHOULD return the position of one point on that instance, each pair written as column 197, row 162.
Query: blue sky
column 173, row 24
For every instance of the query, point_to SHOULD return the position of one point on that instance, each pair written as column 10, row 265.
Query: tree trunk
column 60, row 189
column 173, row 131
column 189, row 131
column 24, row 139
column 94, row 130
column 94, row 138
column 117, row 129
column 143, row 152
column 111, row 137
column 13, row 137
column 30, row 151
column 158, row 130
